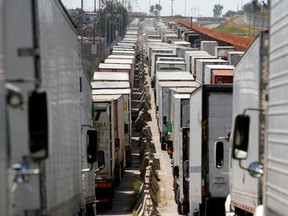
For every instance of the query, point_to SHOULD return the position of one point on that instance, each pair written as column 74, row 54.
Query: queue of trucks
column 221, row 116
column 227, row 137
column 194, row 108
column 48, row 145
column 65, row 139
column 112, row 87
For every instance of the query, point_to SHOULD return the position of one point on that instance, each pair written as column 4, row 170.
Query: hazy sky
column 182, row 7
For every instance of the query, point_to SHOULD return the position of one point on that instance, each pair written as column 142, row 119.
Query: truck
column 269, row 165
column 194, row 59
column 171, row 76
column 50, row 143
column 108, row 121
column 250, row 101
column 179, row 124
column 234, row 57
column 154, row 58
column 208, row 46
column 222, row 51
column 210, row 118
column 5, row 197
column 190, row 54
column 201, row 64
column 118, row 87
column 218, row 74
column 113, row 67
column 164, row 106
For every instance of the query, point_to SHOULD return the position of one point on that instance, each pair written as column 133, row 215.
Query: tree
column 229, row 13
column 152, row 8
column 158, row 7
column 217, row 10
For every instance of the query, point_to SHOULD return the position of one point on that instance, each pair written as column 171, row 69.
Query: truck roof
column 227, row 67
column 110, row 76
column 118, row 61
column 120, row 57
column 172, row 75
column 114, row 66
column 229, row 72
column 113, row 85
column 211, row 60
column 111, row 91
column 100, row 97
column 182, row 96
column 190, row 84
column 183, row 90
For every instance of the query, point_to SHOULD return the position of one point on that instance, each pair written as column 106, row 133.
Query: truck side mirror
column 219, row 155
column 101, row 159
column 241, row 137
column 91, row 146
column 38, row 125
column 165, row 120
column 176, row 172
column 117, row 143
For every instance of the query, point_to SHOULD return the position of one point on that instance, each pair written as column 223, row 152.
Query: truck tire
column 163, row 146
column 179, row 208
column 117, row 175
column 90, row 210
column 110, row 204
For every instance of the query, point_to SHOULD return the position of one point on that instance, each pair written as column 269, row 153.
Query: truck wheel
column 117, row 174
column 163, row 146
column 110, row 204
column 90, row 211
column 179, row 208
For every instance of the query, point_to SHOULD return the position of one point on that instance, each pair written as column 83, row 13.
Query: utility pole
column 172, row 7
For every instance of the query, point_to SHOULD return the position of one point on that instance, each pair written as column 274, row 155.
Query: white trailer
column 180, row 122
column 211, row 76
column 154, row 58
column 163, row 113
column 222, row 51
column 210, row 118
column 5, row 195
column 49, row 120
column 275, row 186
column 126, row 92
column 111, row 76
column 189, row 54
column 194, row 60
column 181, row 43
column 208, row 46
column 108, row 121
column 170, row 76
column 234, row 57
column 200, row 67
column 170, row 65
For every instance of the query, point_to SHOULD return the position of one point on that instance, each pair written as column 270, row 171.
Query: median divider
column 147, row 200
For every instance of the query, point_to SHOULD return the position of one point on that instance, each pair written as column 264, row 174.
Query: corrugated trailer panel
column 276, row 176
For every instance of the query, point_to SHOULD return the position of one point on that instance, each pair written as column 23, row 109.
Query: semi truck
column 218, row 74
column 118, row 87
column 179, row 123
column 249, row 99
column 50, row 145
column 200, row 67
column 108, row 121
column 164, row 106
column 210, row 118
